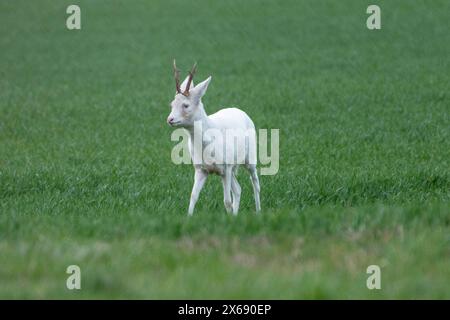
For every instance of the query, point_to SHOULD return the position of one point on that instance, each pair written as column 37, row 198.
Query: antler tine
column 191, row 76
column 177, row 76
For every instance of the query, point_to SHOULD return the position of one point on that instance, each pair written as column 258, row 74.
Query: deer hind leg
column 255, row 182
column 236, row 192
column 226, row 181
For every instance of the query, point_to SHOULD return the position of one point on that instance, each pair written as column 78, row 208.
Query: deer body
column 209, row 132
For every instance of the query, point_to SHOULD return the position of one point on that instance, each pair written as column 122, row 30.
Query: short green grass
column 85, row 170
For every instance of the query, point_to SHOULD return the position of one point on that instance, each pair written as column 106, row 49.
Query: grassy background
column 85, row 170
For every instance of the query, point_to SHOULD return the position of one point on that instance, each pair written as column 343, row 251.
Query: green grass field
column 85, row 170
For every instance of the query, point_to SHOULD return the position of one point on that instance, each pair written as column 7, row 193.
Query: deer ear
column 183, row 85
column 200, row 89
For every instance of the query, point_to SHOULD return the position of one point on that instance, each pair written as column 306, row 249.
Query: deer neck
column 197, row 135
column 201, row 121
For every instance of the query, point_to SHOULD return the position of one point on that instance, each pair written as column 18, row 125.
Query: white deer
column 188, row 112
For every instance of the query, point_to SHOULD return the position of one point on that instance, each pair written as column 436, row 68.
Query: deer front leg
column 226, row 181
column 199, row 181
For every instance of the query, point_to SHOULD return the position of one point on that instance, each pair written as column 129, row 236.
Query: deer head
column 187, row 106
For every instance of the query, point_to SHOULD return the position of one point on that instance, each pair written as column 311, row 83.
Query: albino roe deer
column 188, row 112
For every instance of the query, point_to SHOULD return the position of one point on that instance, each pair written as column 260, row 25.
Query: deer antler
column 191, row 76
column 177, row 79
column 176, row 73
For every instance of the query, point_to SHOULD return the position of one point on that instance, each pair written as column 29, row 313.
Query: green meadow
column 86, row 176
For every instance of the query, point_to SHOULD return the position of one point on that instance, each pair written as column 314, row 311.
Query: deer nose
column 169, row 120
